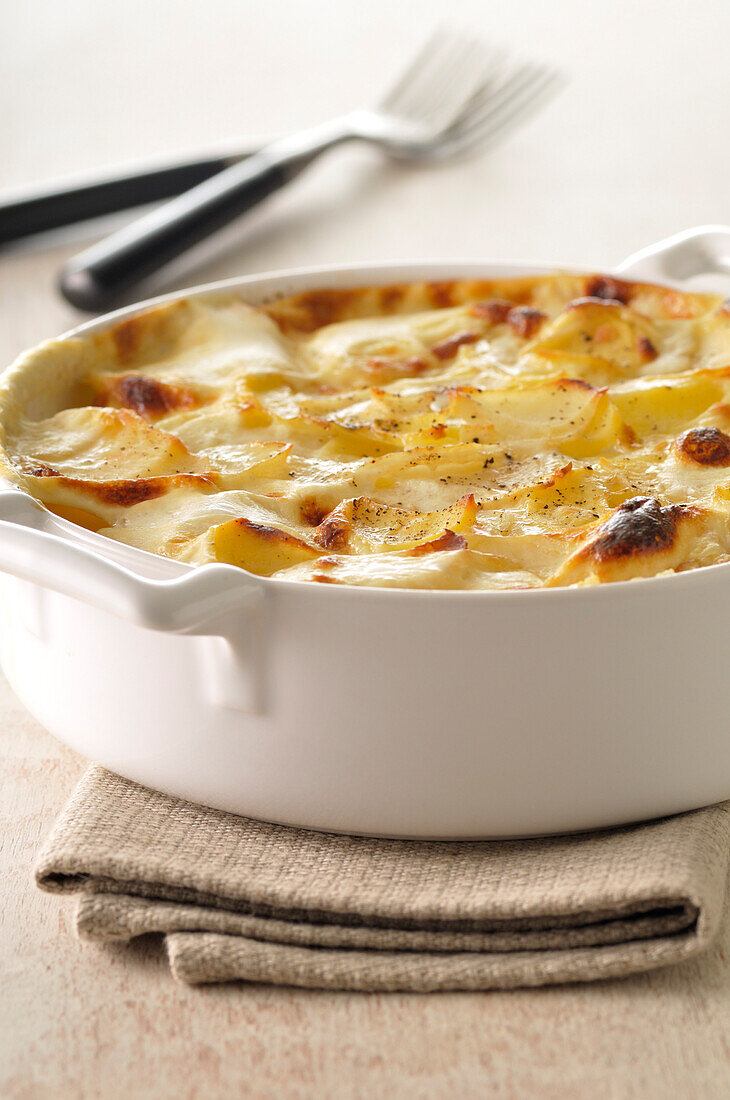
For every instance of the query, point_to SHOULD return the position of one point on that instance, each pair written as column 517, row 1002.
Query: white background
column 635, row 148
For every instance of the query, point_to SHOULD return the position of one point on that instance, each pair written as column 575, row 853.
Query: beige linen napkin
column 240, row 899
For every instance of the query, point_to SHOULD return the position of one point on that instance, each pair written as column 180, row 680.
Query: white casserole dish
column 394, row 712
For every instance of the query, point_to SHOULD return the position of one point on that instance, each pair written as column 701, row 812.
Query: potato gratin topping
column 513, row 433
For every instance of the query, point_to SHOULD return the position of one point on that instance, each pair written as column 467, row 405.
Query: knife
column 53, row 206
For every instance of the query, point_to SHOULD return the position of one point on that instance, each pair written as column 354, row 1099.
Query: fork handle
column 76, row 201
column 98, row 278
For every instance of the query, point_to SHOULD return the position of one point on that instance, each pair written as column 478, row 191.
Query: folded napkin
column 240, row 899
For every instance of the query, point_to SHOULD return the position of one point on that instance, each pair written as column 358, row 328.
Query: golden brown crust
column 608, row 287
column 332, row 534
column 447, row 349
column 705, row 446
column 474, row 433
column 125, row 493
column 486, row 298
column 148, row 397
column 495, row 311
column 646, row 349
column 449, row 541
column 525, row 320
column 639, row 526
column 312, row 511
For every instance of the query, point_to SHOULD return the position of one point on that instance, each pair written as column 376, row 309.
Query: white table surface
column 634, row 149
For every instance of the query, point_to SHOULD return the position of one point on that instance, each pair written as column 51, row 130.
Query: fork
column 456, row 96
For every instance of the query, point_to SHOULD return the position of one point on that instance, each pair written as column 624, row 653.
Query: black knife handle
column 75, row 202
column 98, row 278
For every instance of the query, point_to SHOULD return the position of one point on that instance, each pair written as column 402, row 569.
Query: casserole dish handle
column 194, row 603
column 704, row 250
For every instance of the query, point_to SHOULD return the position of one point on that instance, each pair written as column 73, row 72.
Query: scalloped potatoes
column 512, row 433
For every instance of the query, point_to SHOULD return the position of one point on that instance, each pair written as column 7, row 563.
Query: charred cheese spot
column 525, row 321
column 391, row 297
column 640, row 526
column 705, row 446
column 647, row 351
column 125, row 494
column 332, row 534
column 447, row 542
column 312, row 512
column 149, row 397
column 609, row 288
column 447, row 349
column 441, row 295
column 317, row 308
column 495, row 311
column 37, row 469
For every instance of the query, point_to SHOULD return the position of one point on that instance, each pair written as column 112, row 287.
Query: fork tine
column 491, row 99
column 457, row 93
column 424, row 56
column 490, row 114
column 522, row 110
column 459, row 83
column 425, row 92
column 483, row 139
column 485, row 127
column 442, row 77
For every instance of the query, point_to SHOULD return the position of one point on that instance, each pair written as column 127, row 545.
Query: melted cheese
column 517, row 433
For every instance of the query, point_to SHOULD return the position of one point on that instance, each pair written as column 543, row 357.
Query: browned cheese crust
column 472, row 434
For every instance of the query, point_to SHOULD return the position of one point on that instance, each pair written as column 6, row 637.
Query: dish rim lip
column 373, row 273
